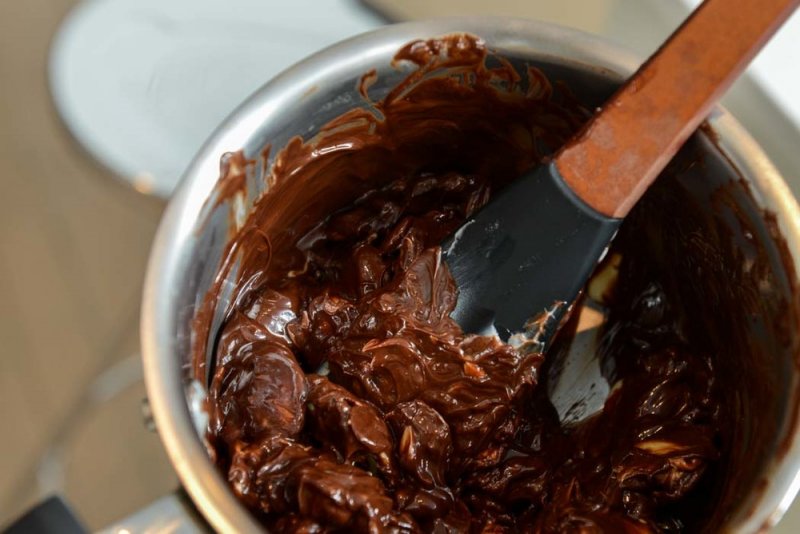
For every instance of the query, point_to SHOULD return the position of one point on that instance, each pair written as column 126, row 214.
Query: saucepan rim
column 163, row 369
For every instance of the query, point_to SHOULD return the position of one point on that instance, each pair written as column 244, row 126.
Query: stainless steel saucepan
column 191, row 238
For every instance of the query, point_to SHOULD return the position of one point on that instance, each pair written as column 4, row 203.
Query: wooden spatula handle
column 617, row 156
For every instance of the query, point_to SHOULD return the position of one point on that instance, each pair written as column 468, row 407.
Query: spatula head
column 529, row 251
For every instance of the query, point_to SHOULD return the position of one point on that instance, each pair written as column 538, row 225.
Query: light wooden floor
column 73, row 245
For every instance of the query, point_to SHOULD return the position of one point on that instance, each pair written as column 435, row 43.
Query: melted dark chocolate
column 344, row 398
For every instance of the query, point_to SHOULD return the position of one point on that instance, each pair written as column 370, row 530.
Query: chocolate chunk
column 260, row 390
column 424, row 445
column 354, row 429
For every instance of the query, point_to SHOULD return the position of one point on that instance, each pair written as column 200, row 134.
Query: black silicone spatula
column 531, row 249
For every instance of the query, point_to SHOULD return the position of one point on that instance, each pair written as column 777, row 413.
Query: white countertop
column 143, row 83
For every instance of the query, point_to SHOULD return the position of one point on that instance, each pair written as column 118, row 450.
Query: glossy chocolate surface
column 344, row 398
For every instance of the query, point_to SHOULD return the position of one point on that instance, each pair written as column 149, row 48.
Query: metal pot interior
column 762, row 388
